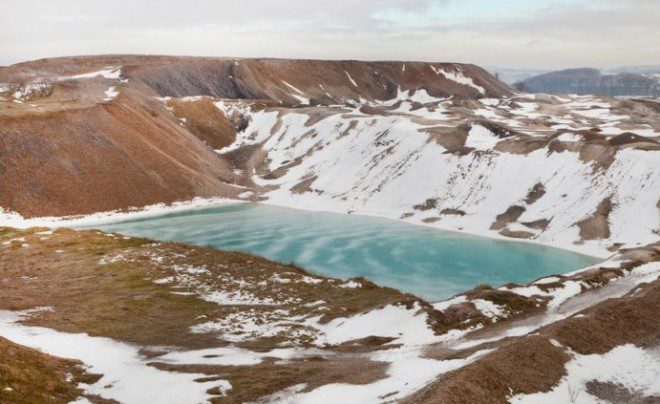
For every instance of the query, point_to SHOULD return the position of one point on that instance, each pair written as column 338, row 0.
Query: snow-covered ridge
column 401, row 165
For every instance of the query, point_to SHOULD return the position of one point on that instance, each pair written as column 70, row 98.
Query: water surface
column 431, row 263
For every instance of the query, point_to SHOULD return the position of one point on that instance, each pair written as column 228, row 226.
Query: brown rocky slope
column 78, row 150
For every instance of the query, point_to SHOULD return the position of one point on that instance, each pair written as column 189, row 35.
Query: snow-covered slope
column 444, row 165
column 422, row 142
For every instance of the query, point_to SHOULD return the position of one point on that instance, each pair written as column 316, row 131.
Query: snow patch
column 126, row 375
column 633, row 368
column 458, row 77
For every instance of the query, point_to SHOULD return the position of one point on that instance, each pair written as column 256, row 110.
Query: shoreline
column 15, row 220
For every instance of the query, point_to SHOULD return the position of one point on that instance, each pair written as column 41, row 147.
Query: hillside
column 593, row 81
column 348, row 136
column 170, row 322
column 87, row 151
column 443, row 145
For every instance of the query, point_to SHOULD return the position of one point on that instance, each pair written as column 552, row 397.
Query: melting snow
column 126, row 375
column 350, row 78
column 459, row 78
column 408, row 326
column 407, row 373
column 108, row 73
column 481, row 138
column 299, row 96
column 628, row 366
column 111, row 93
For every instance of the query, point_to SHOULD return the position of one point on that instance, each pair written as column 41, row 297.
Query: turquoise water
column 431, row 263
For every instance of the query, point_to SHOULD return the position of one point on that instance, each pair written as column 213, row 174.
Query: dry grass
column 29, row 376
column 532, row 364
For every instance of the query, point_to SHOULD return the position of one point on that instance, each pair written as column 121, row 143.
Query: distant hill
column 594, row 81
column 648, row 69
column 511, row 76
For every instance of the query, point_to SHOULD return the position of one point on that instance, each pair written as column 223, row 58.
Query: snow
column 557, row 295
column 487, row 113
column 408, row 326
column 111, row 93
column 252, row 324
column 230, row 291
column 229, row 356
column 299, row 96
column 126, row 375
column 488, row 308
column 381, row 165
column 237, row 297
column 350, row 78
column 351, row 285
column 231, row 108
column 407, row 373
column 12, row 219
column 108, row 73
column 568, row 300
column 444, row 305
column 310, row 280
column 419, row 95
column 481, row 138
column 549, row 279
column 628, row 366
column 458, row 77
column 27, row 90
column 569, row 137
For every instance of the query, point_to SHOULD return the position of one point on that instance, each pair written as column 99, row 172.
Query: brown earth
column 263, row 78
column 596, row 226
column 535, row 193
column 29, row 376
column 510, row 215
column 250, row 383
column 532, row 364
column 103, row 285
column 618, row 394
column 205, row 121
column 107, row 156
column 86, row 154
column 75, row 273
column 516, row 233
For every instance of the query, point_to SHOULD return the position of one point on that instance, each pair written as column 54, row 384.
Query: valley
column 158, row 151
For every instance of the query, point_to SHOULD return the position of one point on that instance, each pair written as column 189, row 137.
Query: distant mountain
column 511, row 76
column 649, row 69
column 594, row 81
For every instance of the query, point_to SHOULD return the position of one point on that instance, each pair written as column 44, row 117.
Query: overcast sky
column 504, row 33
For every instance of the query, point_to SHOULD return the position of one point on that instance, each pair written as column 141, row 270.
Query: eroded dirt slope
column 78, row 152
column 231, row 327
column 87, row 134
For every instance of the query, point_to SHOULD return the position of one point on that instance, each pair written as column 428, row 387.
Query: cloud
column 545, row 33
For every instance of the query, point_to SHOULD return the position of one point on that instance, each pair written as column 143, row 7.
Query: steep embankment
column 570, row 172
column 165, row 321
column 102, row 141
column 286, row 80
column 103, row 156
column 425, row 142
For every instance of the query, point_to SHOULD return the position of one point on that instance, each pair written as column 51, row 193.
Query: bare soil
column 532, row 364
